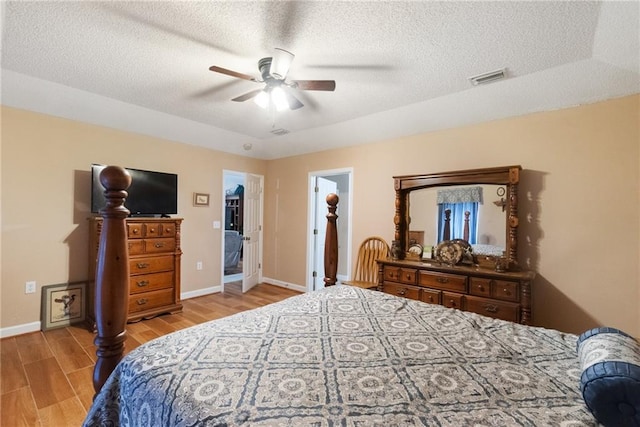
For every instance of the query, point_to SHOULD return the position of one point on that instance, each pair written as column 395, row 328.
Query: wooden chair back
column 366, row 271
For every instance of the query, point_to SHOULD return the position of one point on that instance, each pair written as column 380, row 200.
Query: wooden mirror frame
column 508, row 176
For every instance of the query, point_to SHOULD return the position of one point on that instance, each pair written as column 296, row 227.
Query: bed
column 350, row 357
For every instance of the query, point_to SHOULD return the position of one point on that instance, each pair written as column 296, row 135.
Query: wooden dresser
column 504, row 296
column 154, row 266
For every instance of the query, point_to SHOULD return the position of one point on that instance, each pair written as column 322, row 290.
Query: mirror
column 496, row 219
column 488, row 232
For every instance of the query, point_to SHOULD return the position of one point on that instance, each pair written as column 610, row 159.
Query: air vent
column 492, row 76
column 280, row 131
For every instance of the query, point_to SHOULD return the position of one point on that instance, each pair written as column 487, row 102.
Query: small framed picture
column 200, row 199
column 63, row 305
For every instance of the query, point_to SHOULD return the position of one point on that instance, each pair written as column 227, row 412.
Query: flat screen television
column 150, row 194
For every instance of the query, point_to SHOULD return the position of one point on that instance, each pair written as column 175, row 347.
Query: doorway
column 339, row 181
column 242, row 234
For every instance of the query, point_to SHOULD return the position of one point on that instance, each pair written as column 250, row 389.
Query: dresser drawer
column 152, row 229
column 151, row 264
column 493, row 308
column 500, row 289
column 136, row 247
column 401, row 290
column 167, row 230
column 152, row 246
column 431, row 296
column 402, row 275
column 452, row 300
column 150, row 282
column 504, row 290
column 444, row 281
column 149, row 300
column 134, row 231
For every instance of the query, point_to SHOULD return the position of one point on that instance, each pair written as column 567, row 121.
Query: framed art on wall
column 200, row 199
column 63, row 305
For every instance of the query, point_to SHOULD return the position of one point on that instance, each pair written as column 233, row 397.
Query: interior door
column 251, row 258
column 323, row 188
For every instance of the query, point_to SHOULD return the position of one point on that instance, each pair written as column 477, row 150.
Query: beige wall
column 579, row 203
column 46, row 201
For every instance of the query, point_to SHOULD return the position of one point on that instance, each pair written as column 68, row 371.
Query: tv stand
column 154, row 266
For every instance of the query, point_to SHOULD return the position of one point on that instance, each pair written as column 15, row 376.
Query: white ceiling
column 401, row 68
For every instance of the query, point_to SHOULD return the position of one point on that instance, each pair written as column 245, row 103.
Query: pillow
column 610, row 380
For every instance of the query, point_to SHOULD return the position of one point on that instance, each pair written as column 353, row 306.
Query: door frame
column 311, row 210
column 225, row 173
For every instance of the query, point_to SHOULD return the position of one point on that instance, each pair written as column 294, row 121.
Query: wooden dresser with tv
column 154, row 266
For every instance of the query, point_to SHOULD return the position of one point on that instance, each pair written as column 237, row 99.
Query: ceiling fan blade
column 247, row 95
column 294, row 103
column 329, row 85
column 232, row 73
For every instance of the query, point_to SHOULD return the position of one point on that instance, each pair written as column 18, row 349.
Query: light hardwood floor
column 46, row 377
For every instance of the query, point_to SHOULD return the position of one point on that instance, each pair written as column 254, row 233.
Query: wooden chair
column 366, row 273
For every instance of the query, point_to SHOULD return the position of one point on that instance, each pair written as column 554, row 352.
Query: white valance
column 460, row 195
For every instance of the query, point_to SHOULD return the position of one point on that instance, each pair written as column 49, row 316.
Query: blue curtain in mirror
column 457, row 220
column 459, row 200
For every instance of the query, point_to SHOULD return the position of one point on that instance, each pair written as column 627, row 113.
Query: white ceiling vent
column 489, row 77
column 280, row 131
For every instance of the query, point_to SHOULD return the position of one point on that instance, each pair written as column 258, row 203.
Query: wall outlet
column 30, row 287
column 199, row 265
column 216, row 224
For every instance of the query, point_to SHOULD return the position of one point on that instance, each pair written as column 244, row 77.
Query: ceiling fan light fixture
column 262, row 99
column 279, row 99
column 280, row 63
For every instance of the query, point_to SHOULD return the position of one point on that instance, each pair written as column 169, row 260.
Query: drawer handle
column 142, row 301
column 442, row 280
column 159, row 245
column 452, row 302
column 142, row 283
column 135, row 231
column 491, row 308
column 481, row 288
column 168, row 230
column 506, row 291
column 142, row 265
column 430, row 298
column 402, row 292
column 408, row 276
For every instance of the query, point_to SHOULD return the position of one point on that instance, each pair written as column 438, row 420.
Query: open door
column 252, row 245
column 317, row 223
column 323, row 188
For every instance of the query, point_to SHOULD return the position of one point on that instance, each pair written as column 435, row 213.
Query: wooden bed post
column 447, row 225
column 331, row 243
column 465, row 233
column 112, row 275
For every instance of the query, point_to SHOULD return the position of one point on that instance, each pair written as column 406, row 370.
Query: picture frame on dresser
column 63, row 305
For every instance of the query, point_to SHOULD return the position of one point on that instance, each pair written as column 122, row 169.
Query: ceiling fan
column 274, row 72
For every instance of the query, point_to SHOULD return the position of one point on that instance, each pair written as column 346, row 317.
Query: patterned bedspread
column 346, row 356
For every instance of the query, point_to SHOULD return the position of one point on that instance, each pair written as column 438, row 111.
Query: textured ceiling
column 401, row 68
